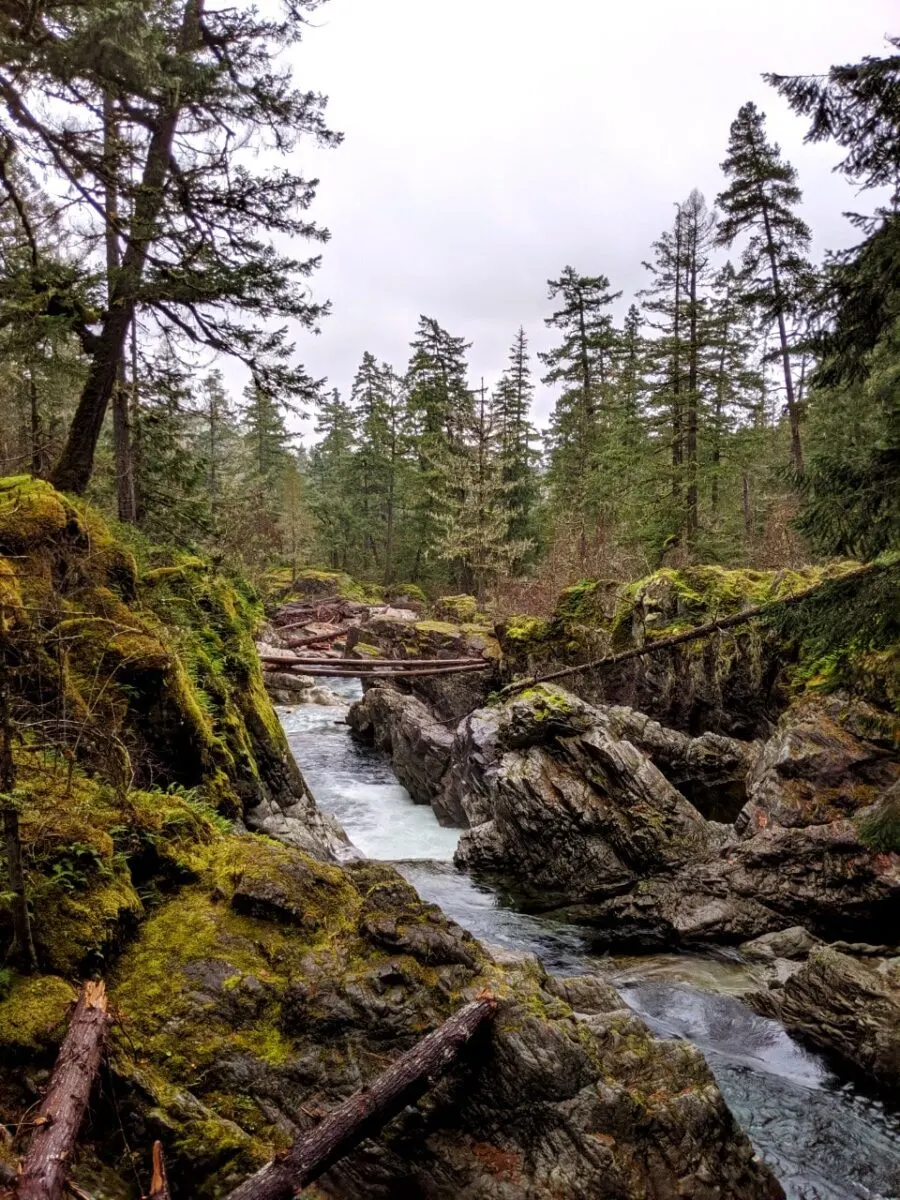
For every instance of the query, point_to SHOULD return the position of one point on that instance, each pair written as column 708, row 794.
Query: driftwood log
column 59, row 1118
column 365, row 1113
column 690, row 635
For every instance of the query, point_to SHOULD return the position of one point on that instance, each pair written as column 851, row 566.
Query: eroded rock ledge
column 577, row 803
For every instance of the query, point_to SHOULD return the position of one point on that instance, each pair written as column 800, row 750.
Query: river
column 824, row 1137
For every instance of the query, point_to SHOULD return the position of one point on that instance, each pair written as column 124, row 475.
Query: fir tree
column 583, row 364
column 852, row 489
column 516, row 438
column 760, row 201
column 440, row 413
column 333, row 503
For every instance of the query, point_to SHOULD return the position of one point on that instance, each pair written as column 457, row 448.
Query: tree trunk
column 62, row 1111
column 73, row 471
column 365, row 1113
column 36, row 431
column 792, row 405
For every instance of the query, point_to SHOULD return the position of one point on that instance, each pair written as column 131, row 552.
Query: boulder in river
column 845, row 1005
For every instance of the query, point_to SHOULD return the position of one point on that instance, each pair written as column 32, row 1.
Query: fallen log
column 365, row 1113
column 393, row 664
column 159, row 1183
column 690, row 635
column 362, row 673
column 43, row 1174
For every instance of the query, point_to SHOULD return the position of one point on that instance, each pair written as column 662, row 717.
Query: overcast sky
column 491, row 142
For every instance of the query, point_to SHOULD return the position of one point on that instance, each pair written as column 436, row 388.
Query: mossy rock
column 33, row 1016
column 311, row 584
column 397, row 593
column 460, row 609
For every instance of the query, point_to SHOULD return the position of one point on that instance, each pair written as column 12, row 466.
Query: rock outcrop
column 843, row 1004
column 558, row 797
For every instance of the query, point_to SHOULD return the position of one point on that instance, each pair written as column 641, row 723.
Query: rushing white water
column 825, row 1139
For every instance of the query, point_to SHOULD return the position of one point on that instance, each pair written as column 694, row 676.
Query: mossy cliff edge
column 256, row 983
column 846, row 635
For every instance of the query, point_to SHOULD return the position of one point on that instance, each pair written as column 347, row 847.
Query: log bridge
column 375, row 668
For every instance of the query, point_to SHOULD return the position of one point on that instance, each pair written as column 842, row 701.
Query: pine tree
column 516, row 437
column 267, row 455
column 378, row 461
column 440, row 413
column 583, row 364
column 852, row 487
column 217, row 445
column 333, row 502
column 474, row 508
column 760, row 201
column 199, row 220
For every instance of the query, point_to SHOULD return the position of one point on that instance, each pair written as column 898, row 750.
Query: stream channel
column 824, row 1137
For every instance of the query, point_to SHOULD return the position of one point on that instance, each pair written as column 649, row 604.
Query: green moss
column 31, row 512
column 406, row 591
column 444, row 628
column 525, row 630
column 456, row 608
column 366, row 650
column 33, row 1016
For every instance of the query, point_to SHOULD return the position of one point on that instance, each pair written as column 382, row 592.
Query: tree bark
column 365, row 1113
column 60, row 1116
column 73, row 471
column 792, row 406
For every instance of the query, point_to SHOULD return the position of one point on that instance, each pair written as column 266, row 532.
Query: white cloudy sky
column 491, row 142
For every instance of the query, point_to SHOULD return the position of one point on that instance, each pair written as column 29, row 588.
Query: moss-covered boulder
column 140, row 663
column 459, row 609
column 265, row 993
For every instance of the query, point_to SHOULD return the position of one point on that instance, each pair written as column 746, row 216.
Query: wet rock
column 418, row 743
column 451, row 697
column 816, row 769
column 841, row 1004
column 560, row 797
column 242, row 1016
column 794, row 943
column 574, row 810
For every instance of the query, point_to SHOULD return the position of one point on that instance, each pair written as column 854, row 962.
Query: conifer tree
column 199, row 220
column 333, row 502
column 440, row 413
column 217, row 446
column 516, row 438
column 760, row 201
column 378, row 461
column 583, row 364
column 852, row 488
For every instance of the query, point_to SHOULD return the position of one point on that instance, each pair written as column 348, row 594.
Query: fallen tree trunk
column 365, row 1113
column 59, row 1117
column 364, row 673
column 689, row 635
column 399, row 663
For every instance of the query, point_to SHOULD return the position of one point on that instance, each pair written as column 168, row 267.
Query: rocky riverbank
column 256, row 981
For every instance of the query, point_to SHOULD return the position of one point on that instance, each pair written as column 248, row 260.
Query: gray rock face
column 841, row 1004
column 574, row 810
column 827, row 761
column 559, row 795
column 419, row 745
